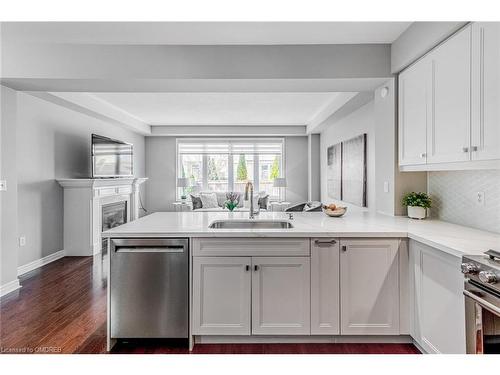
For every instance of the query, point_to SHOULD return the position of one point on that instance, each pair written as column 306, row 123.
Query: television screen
column 111, row 158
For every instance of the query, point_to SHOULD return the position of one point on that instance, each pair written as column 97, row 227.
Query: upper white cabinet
column 369, row 286
column 449, row 103
column 325, row 287
column 414, row 113
column 449, row 128
column 281, row 296
column 485, row 143
column 437, row 305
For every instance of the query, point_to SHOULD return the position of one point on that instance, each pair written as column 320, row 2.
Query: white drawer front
column 251, row 246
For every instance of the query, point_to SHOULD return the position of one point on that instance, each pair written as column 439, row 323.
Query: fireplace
column 113, row 215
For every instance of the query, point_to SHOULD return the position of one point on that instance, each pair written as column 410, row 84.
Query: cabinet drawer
column 251, row 246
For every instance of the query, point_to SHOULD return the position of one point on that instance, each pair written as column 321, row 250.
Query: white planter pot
column 416, row 212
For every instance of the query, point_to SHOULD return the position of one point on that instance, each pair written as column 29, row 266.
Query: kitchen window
column 227, row 164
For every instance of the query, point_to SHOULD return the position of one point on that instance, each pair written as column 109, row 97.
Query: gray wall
column 8, row 199
column 160, row 168
column 296, row 167
column 358, row 122
column 386, row 153
column 454, row 198
column 417, row 40
column 54, row 142
column 314, row 167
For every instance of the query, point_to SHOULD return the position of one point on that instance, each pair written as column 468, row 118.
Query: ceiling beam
column 132, row 62
column 227, row 130
column 350, row 104
column 193, row 85
column 96, row 108
column 333, row 106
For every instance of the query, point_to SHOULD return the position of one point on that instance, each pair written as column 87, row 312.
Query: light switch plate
column 386, row 186
column 480, row 198
column 22, row 241
column 3, row 185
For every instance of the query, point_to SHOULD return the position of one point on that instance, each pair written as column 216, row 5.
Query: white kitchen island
column 360, row 278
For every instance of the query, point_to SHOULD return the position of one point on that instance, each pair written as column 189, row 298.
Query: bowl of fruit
column 333, row 210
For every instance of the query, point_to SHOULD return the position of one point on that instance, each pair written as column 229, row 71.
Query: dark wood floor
column 61, row 308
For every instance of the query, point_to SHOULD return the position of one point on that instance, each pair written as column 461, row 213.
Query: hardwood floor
column 61, row 308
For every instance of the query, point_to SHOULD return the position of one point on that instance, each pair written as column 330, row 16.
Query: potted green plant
column 417, row 204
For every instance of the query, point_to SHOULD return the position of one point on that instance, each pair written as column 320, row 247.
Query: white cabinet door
column 448, row 134
column 221, row 295
column 414, row 112
column 437, row 303
column 486, row 91
column 281, row 296
column 369, row 287
column 325, row 287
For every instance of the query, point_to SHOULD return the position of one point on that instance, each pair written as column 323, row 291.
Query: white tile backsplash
column 454, row 195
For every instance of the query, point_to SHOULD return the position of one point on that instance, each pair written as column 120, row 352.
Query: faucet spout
column 249, row 189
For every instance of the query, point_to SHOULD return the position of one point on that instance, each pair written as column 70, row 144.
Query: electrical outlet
column 480, row 198
column 22, row 241
column 386, row 186
column 3, row 185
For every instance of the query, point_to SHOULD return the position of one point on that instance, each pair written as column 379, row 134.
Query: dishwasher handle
column 149, row 245
column 147, row 249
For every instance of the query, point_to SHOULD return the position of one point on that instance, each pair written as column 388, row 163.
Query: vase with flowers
column 232, row 200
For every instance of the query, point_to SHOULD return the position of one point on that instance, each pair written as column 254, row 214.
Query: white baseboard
column 9, row 287
column 396, row 339
column 40, row 262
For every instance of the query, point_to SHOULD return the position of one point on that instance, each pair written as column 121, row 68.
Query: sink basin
column 250, row 224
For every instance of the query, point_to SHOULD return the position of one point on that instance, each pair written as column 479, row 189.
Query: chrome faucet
column 249, row 188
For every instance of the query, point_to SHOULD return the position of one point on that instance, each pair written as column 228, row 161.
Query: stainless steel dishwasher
column 149, row 288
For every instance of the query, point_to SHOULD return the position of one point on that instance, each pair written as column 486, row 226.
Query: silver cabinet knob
column 487, row 277
column 465, row 149
column 469, row 269
column 473, row 148
column 423, row 155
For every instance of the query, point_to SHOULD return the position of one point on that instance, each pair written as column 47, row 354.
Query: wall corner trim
column 40, row 262
column 9, row 287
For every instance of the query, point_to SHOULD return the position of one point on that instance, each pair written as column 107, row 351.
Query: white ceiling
column 204, row 33
column 220, row 108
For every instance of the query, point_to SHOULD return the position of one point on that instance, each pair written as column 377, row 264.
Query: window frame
column 230, row 155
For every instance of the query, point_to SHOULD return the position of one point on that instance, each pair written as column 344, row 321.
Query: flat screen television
column 111, row 158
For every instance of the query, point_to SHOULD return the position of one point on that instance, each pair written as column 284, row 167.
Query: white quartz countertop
column 450, row 238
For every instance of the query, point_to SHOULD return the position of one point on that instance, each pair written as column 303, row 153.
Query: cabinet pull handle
column 465, row 149
column 344, row 248
column 423, row 155
column 319, row 242
column 247, row 268
column 473, row 148
column 256, row 267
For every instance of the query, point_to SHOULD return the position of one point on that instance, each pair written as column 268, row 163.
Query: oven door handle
column 482, row 302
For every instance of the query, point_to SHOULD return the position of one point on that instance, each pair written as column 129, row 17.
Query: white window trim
column 282, row 192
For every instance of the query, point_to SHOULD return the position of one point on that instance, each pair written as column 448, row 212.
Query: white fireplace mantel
column 83, row 201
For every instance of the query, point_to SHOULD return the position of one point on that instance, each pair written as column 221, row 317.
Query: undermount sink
column 250, row 224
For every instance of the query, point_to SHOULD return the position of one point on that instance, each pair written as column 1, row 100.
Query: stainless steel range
column 482, row 302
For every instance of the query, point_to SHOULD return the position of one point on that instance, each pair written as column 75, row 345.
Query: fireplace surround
column 112, row 216
column 84, row 200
